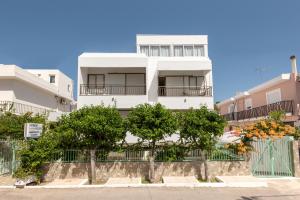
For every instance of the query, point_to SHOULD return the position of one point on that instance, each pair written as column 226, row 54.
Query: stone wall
column 296, row 156
column 141, row 169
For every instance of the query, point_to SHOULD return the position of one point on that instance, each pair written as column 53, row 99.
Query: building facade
column 35, row 90
column 279, row 94
column 173, row 70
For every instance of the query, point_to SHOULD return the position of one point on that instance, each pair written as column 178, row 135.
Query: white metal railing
column 20, row 108
column 184, row 91
column 88, row 89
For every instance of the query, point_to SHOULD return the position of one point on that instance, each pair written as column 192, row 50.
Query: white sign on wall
column 33, row 130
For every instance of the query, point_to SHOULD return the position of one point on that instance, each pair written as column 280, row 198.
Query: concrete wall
column 6, row 92
column 141, row 169
column 61, row 80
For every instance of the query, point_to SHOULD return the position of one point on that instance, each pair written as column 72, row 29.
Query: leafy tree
column 34, row 153
column 200, row 128
column 151, row 123
column 95, row 127
column 12, row 125
column 277, row 116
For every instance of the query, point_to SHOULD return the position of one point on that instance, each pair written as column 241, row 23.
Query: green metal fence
column 8, row 163
column 272, row 158
column 82, row 156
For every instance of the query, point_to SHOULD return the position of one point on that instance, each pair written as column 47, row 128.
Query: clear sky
column 250, row 41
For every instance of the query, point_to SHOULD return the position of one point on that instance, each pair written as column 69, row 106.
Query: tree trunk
column 204, row 160
column 93, row 166
column 151, row 169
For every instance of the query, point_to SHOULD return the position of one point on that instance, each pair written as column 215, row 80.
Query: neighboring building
column 174, row 70
column 281, row 93
column 35, row 90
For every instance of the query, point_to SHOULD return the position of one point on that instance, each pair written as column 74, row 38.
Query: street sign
column 33, row 130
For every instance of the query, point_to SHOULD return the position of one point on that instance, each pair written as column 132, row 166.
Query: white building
column 35, row 90
column 174, row 70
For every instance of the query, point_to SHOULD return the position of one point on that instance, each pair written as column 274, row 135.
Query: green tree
column 151, row 123
column 12, row 125
column 34, row 153
column 200, row 128
column 94, row 127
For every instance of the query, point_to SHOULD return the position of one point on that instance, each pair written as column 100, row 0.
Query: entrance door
column 272, row 158
column 162, row 86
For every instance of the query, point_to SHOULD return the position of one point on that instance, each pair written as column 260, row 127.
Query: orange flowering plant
column 272, row 128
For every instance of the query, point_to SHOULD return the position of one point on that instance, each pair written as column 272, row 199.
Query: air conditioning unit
column 63, row 101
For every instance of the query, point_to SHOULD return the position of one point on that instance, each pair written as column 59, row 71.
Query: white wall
column 186, row 102
column 6, row 92
column 120, row 101
column 61, row 80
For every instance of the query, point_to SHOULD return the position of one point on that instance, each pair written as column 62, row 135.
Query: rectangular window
column 52, row 78
column 144, row 50
column 248, row 104
column 198, row 50
column 196, row 82
column 96, row 80
column 165, row 51
column 273, row 96
column 188, row 50
column 178, row 51
column 154, row 51
column 69, row 88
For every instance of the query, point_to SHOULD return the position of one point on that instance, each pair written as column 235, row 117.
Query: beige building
column 281, row 93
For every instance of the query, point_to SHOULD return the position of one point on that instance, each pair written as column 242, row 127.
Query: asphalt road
column 148, row 194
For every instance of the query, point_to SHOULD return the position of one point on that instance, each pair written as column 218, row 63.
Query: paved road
column 149, row 194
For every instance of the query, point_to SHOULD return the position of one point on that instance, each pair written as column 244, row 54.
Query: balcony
column 262, row 111
column 19, row 108
column 184, row 91
column 106, row 90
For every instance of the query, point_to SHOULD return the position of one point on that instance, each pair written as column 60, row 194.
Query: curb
column 160, row 185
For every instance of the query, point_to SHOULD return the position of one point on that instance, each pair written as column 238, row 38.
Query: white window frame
column 278, row 90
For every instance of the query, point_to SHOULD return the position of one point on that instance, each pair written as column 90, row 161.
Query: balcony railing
column 94, row 90
column 184, row 91
column 262, row 111
column 19, row 108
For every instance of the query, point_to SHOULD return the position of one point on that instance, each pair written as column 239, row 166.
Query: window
column 198, row 50
column 248, row 104
column 273, row 96
column 52, row 78
column 154, row 50
column 178, row 50
column 188, row 50
column 69, row 88
column 144, row 50
column 165, row 51
column 196, row 82
column 96, row 80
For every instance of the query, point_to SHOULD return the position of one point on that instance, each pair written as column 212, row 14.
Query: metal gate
column 7, row 158
column 273, row 157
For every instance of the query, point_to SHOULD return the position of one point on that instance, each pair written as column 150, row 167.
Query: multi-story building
column 279, row 94
column 35, row 90
column 174, row 70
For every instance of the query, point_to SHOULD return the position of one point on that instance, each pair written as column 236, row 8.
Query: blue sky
column 249, row 41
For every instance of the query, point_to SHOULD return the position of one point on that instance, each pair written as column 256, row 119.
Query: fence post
column 13, row 161
column 296, row 156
